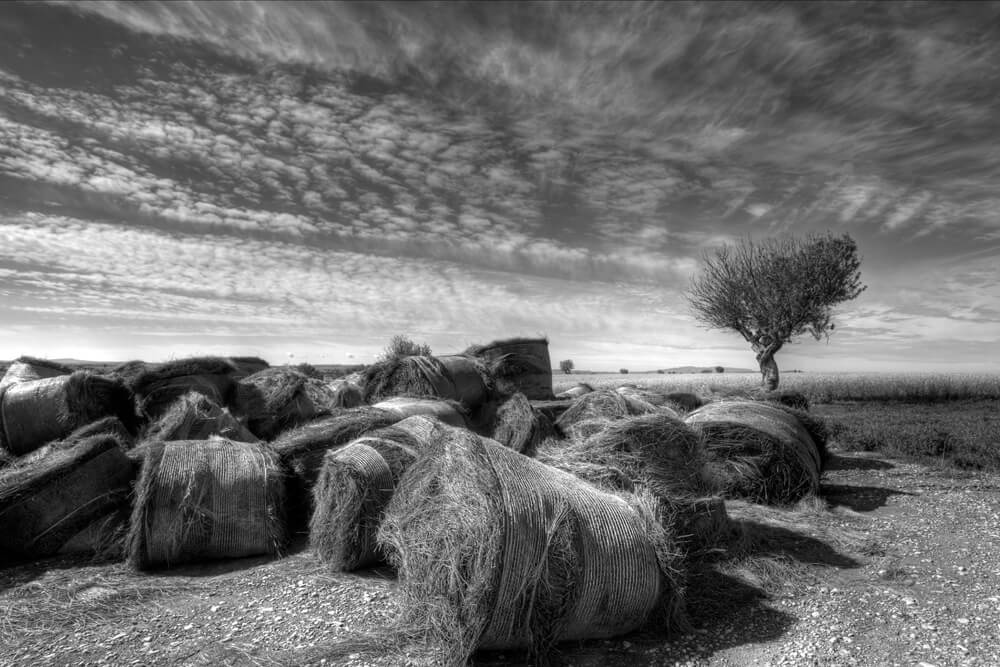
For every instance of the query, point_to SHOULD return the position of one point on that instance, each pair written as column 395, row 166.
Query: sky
column 304, row 180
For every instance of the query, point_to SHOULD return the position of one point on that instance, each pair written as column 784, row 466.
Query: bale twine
column 39, row 411
column 26, row 369
column 194, row 416
column 350, row 497
column 757, row 451
column 156, row 389
column 518, row 364
column 603, row 403
column 448, row 412
column 45, row 502
column 496, row 551
column 576, row 391
column 199, row 500
column 280, row 398
column 519, row 426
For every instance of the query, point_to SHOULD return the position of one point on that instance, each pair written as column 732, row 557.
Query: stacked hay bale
column 35, row 412
column 44, row 502
column 575, row 391
column 156, row 389
column 206, row 499
column 247, row 366
column 757, row 451
column 683, row 401
column 279, row 398
column 449, row 412
column 455, row 377
column 495, row 550
column 194, row 416
column 517, row 425
column 26, row 369
column 604, row 404
column 518, row 365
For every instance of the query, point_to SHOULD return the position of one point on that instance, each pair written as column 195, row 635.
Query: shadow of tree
column 841, row 462
column 858, row 498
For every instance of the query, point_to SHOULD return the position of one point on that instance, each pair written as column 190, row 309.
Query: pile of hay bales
column 34, row 412
column 495, row 550
column 279, row 398
column 757, row 451
column 518, row 365
column 157, row 388
column 206, row 499
column 453, row 377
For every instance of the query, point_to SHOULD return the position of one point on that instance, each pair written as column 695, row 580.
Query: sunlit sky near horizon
column 308, row 179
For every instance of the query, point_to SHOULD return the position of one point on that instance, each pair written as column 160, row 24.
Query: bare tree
column 566, row 366
column 774, row 290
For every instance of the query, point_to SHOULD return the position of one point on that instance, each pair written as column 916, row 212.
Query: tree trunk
column 768, row 369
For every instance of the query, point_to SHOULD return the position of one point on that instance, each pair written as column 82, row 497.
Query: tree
column 401, row 346
column 566, row 366
column 623, row 371
column 774, row 290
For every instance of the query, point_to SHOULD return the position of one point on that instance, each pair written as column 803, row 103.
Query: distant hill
column 676, row 370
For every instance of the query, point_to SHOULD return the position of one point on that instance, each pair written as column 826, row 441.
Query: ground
column 895, row 564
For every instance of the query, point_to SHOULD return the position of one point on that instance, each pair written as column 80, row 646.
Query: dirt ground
column 897, row 564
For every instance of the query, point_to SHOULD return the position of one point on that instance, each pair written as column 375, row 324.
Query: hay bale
column 576, row 391
column 280, row 398
column 603, row 403
column 704, row 527
column 102, row 539
column 351, row 494
column 199, row 500
column 757, row 451
column 194, row 416
column 38, row 411
column 470, row 378
column 26, row 369
column 646, row 396
column 495, row 550
column 45, row 502
column 245, row 366
column 518, row 364
column 454, row 377
column 817, row 429
column 449, row 412
column 517, row 425
column 128, row 372
column 156, row 389
column 655, row 450
column 684, row 401
column 347, row 395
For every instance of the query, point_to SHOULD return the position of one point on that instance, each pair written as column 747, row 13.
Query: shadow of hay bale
column 842, row 462
column 857, row 497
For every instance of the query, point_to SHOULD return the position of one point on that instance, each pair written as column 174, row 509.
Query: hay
column 518, row 364
column 817, row 429
column 604, row 403
column 206, row 499
column 576, row 391
column 788, row 398
column 470, row 378
column 646, row 396
column 347, row 395
column 704, row 527
column 449, row 412
column 194, row 416
column 38, row 411
column 102, row 539
column 247, row 366
column 26, row 369
column 757, row 451
column 128, row 372
column 279, row 398
column 656, row 451
column 351, row 494
column 156, row 389
column 518, row 426
column 455, row 377
column 44, row 503
column 683, row 401
column 495, row 550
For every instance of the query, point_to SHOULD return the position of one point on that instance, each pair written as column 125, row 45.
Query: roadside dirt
column 897, row 565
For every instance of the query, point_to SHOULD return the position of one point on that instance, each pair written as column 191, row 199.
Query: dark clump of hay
column 654, row 450
column 108, row 425
column 303, row 449
column 157, row 388
column 458, row 378
column 519, row 426
column 38, row 411
column 495, row 550
column 128, row 372
column 206, row 499
column 704, row 527
column 25, row 369
column 351, row 494
column 247, row 366
column 279, row 398
column 102, row 539
column 44, row 503
column 684, row 401
column 757, row 451
column 194, row 416
column 604, row 403
column 518, row 364
column 348, row 395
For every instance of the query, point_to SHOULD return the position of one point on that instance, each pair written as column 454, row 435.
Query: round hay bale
column 453, row 377
column 519, row 426
column 467, row 375
column 199, row 500
column 684, row 401
column 518, row 364
column 603, row 403
column 156, row 389
column 576, row 391
column 495, row 550
column 280, row 398
column 449, row 412
column 646, row 396
column 128, row 372
column 757, row 451
column 245, row 366
column 43, row 503
column 347, row 395
column 194, row 416
column 26, row 369
column 35, row 412
column 350, row 497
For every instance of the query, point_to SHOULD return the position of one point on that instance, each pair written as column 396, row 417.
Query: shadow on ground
column 858, row 498
column 841, row 462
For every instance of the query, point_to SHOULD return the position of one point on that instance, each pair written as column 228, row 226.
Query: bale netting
column 576, row 391
column 200, row 500
column 279, row 398
column 602, row 404
column 38, row 411
column 455, row 377
column 43, row 503
column 351, row 494
column 519, row 426
column 518, row 364
column 157, row 388
column 756, row 451
column 656, row 451
column 495, row 550
column 26, row 369
column 194, row 416
column 449, row 412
